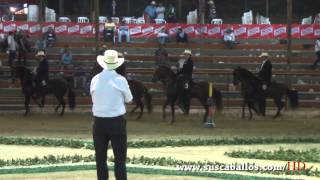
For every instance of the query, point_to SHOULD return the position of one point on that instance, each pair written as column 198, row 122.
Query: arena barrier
column 254, row 31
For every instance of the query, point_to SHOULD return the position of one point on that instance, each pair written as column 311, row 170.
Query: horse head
column 236, row 75
column 163, row 74
column 23, row 73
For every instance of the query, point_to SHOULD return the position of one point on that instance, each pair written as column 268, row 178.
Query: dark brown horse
column 171, row 84
column 56, row 87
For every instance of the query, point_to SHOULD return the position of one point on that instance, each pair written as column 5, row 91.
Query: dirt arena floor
column 303, row 123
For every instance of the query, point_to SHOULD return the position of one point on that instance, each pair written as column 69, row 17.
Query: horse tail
column 148, row 99
column 293, row 98
column 218, row 98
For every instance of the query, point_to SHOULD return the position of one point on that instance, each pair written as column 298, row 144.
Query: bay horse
column 171, row 87
column 255, row 96
column 56, row 87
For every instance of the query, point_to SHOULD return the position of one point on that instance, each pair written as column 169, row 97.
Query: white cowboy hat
column 153, row 3
column 110, row 60
column 210, row 2
column 187, row 51
column 40, row 53
column 264, row 54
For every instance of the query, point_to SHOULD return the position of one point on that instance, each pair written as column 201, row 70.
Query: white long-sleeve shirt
column 229, row 37
column 109, row 92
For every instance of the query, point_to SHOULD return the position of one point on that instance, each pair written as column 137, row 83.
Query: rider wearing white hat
column 265, row 71
column 109, row 92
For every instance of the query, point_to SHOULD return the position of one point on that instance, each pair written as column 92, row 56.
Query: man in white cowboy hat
column 109, row 92
column 265, row 71
column 41, row 71
column 184, row 80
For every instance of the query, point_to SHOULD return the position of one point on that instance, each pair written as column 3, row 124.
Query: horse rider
column 41, row 72
column 184, row 77
column 265, row 71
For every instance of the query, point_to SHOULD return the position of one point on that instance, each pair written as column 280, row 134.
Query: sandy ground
column 79, row 126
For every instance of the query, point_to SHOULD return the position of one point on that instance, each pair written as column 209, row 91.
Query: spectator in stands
column 3, row 42
column 109, row 28
column 160, row 11
column 265, row 71
column 161, row 56
column 80, row 77
column 41, row 72
column 23, row 47
column 150, row 12
column 229, row 39
column 163, row 36
column 181, row 36
column 66, row 66
column 317, row 50
column 170, row 14
column 212, row 10
column 40, row 44
column 123, row 31
column 66, row 56
column 50, row 37
column 12, row 52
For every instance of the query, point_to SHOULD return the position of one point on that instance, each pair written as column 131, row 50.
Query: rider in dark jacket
column 265, row 71
column 184, row 81
column 42, row 71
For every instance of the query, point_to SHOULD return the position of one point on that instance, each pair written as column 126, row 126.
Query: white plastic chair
column 307, row 20
column 64, row 19
column 140, row 20
column 115, row 20
column 83, row 20
column 127, row 20
column 160, row 21
column 216, row 21
column 102, row 19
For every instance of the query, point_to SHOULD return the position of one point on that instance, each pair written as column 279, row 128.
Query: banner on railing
column 261, row 31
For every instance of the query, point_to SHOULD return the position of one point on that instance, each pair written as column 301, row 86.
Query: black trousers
column 114, row 130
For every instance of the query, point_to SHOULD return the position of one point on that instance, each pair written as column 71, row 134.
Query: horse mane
column 246, row 73
column 166, row 68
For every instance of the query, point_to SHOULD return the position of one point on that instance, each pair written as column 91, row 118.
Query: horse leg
column 35, row 99
column 141, row 110
column 250, row 106
column 206, row 113
column 57, row 107
column 135, row 108
column 164, row 109
column 243, row 109
column 280, row 105
column 26, row 104
column 172, row 112
column 62, row 103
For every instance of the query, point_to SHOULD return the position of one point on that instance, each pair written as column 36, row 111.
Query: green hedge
column 151, row 144
column 312, row 155
column 159, row 161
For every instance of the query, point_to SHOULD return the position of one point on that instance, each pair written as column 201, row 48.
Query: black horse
column 171, row 86
column 140, row 93
column 57, row 87
column 251, row 91
column 255, row 96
